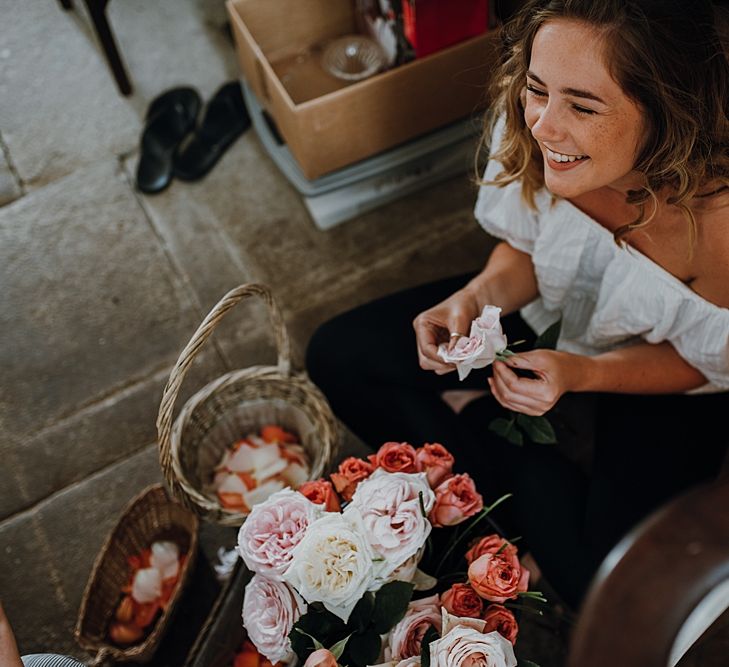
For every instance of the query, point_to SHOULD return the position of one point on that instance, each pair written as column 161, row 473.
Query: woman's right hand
column 435, row 326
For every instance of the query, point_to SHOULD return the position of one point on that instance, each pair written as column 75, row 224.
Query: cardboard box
column 327, row 123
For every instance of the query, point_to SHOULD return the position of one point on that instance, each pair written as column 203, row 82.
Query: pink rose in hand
column 498, row 577
column 490, row 544
column 396, row 457
column 479, row 349
column 350, row 473
column 456, row 499
column 435, row 461
column 321, row 658
column 499, row 618
column 407, row 635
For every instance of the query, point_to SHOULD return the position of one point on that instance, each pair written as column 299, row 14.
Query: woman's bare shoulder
column 711, row 257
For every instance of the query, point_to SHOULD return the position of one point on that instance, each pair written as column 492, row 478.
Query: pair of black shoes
column 175, row 144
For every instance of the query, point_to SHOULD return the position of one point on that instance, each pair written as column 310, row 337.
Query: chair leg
column 97, row 11
column 66, row 4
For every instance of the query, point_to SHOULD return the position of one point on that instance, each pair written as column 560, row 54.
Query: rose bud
column 396, row 457
column 456, row 499
column 491, row 544
column 350, row 473
column 498, row 577
column 462, row 600
column 436, row 461
column 321, row 492
column 499, row 618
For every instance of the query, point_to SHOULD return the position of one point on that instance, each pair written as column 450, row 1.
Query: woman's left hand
column 556, row 373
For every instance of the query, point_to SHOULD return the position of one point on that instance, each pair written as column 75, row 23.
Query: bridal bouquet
column 345, row 570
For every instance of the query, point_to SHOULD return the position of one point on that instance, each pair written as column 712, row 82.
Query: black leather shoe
column 225, row 118
column 170, row 118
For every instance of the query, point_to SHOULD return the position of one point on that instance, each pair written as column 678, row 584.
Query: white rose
column 479, row 349
column 270, row 609
column 333, row 563
column 463, row 646
column 392, row 511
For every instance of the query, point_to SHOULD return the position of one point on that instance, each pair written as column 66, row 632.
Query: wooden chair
column 644, row 594
column 97, row 11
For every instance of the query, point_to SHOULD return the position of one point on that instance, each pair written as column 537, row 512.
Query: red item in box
column 432, row 25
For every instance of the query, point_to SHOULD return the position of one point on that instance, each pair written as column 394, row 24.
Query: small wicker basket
column 151, row 516
column 235, row 404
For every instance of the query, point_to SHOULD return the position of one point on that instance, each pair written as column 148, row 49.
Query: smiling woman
column 608, row 187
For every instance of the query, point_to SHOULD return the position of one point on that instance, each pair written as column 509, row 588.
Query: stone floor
column 102, row 286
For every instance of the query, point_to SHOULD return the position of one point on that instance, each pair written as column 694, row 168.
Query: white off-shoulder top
column 607, row 296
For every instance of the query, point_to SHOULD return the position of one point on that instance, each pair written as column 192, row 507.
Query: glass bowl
column 353, row 57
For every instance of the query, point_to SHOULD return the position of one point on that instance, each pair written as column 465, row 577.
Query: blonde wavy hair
column 668, row 56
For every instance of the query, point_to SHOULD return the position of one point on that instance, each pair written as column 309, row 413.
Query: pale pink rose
column 321, row 658
column 456, row 499
column 321, row 492
column 465, row 647
column 406, row 636
column 396, row 457
column 270, row 609
column 349, row 474
column 490, row 544
column 499, row 618
column 435, row 461
column 391, row 508
column 462, row 600
column 274, row 527
column 479, row 349
column 498, row 577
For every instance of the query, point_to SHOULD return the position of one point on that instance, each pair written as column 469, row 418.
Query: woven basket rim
column 144, row 650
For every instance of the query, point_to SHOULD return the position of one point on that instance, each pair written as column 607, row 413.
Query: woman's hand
column 556, row 373
column 435, row 326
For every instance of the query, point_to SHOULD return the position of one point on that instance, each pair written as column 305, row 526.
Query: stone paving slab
column 59, row 105
column 90, row 303
column 91, row 439
column 9, row 186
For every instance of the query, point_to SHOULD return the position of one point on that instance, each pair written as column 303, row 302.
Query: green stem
column 484, row 512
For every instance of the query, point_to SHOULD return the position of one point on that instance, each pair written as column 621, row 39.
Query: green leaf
column 391, row 603
column 515, row 437
column 533, row 595
column 538, row 429
column 501, row 426
column 547, row 340
column 431, row 634
column 361, row 615
column 316, row 622
column 363, row 649
column 317, row 643
column 337, row 649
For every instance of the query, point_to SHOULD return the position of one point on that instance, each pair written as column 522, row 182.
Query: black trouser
column 647, row 449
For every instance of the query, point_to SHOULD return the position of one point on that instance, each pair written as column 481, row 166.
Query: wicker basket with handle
column 151, row 516
column 234, row 405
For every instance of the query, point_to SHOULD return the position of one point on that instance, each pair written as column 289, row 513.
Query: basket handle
column 172, row 388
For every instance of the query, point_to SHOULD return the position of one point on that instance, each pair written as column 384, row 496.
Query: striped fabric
column 50, row 660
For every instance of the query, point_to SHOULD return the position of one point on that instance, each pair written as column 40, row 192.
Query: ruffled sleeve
column 501, row 211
